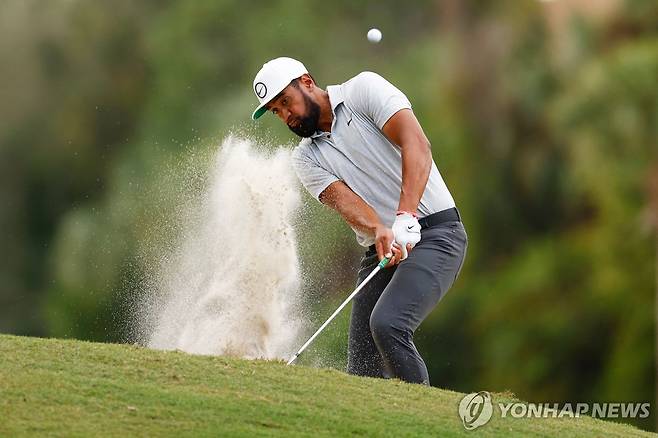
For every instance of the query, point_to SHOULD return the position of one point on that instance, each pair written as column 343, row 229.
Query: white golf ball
column 374, row 35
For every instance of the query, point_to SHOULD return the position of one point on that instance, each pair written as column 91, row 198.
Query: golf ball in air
column 374, row 35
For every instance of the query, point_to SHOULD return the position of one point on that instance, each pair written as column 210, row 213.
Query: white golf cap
column 273, row 78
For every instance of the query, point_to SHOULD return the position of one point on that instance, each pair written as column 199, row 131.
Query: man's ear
column 307, row 81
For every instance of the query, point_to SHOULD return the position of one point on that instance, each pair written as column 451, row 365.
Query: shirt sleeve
column 312, row 175
column 377, row 98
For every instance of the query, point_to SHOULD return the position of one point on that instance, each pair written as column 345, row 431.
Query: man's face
column 297, row 109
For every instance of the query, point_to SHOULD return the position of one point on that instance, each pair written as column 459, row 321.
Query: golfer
column 364, row 154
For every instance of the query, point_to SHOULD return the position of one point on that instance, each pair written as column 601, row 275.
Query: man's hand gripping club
column 406, row 230
column 396, row 243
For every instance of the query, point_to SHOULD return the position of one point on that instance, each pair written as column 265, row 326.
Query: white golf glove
column 406, row 229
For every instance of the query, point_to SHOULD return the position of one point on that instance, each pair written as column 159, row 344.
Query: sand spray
column 230, row 286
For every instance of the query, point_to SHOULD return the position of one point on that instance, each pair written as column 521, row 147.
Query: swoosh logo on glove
column 410, row 227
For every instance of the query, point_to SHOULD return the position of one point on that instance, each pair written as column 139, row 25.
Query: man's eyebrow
column 274, row 99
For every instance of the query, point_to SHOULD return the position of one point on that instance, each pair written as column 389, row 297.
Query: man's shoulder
column 361, row 89
column 304, row 144
column 303, row 149
column 362, row 79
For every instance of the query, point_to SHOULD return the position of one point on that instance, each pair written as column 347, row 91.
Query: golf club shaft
column 381, row 264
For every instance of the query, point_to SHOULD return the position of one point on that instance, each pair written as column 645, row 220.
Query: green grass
column 73, row 388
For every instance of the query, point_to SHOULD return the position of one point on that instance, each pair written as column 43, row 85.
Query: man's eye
column 274, row 111
column 285, row 101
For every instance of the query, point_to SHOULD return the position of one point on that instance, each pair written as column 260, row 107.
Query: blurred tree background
column 543, row 118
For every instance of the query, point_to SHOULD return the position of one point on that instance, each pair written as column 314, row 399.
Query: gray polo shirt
column 357, row 152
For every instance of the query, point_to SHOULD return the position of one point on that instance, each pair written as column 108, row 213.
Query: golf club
column 379, row 266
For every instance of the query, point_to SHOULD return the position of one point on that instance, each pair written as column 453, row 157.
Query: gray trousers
column 389, row 309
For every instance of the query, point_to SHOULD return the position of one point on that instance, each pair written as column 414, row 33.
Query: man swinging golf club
column 364, row 154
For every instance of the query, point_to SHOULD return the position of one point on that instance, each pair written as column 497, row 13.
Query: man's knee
column 385, row 330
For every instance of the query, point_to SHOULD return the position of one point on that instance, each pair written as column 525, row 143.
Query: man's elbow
column 322, row 197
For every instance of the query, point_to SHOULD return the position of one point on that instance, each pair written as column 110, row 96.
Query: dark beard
column 307, row 125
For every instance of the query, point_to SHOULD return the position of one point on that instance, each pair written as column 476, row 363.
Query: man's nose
column 286, row 115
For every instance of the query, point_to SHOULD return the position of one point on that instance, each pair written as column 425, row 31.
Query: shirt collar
column 336, row 97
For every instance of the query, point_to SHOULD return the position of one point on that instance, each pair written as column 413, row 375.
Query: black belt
column 449, row 215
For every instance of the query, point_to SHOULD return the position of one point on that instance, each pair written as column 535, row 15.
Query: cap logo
column 260, row 89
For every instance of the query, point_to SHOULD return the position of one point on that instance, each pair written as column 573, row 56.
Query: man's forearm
column 416, row 166
column 351, row 207
column 361, row 217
